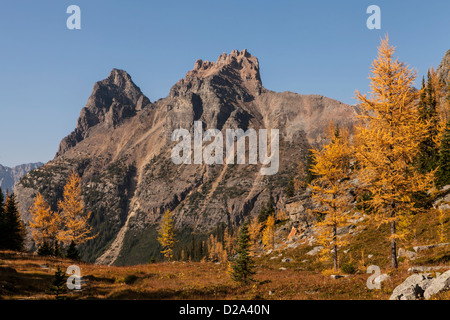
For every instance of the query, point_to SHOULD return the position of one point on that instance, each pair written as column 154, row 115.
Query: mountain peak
column 112, row 100
column 241, row 61
column 119, row 77
column 238, row 71
column 118, row 80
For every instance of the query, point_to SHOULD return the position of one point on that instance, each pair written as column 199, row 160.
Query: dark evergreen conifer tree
column 242, row 267
column 262, row 216
column 428, row 157
column 59, row 285
column 2, row 220
column 290, row 189
column 45, row 249
column 13, row 234
column 443, row 171
column 72, row 252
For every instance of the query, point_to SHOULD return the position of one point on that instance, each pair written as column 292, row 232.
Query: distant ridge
column 9, row 176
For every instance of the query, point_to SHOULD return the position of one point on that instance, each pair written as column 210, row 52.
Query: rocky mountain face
column 122, row 148
column 443, row 71
column 9, row 176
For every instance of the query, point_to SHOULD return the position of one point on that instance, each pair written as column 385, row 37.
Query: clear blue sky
column 324, row 47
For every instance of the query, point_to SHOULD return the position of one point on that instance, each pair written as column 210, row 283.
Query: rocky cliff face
column 9, row 176
column 443, row 70
column 122, row 149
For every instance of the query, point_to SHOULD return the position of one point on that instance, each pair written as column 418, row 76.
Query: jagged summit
column 117, row 85
column 241, row 61
column 118, row 74
column 236, row 73
column 121, row 79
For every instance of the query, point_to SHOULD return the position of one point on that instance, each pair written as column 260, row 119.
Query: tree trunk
column 273, row 238
column 394, row 262
column 335, row 257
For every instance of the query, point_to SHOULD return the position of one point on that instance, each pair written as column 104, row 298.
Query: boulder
column 315, row 251
column 431, row 246
column 406, row 253
column 419, row 269
column 311, row 241
column 358, row 218
column 412, row 288
column 438, row 285
column 345, row 230
column 293, row 245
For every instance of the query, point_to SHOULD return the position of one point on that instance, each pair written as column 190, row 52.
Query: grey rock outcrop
column 407, row 253
column 314, row 251
column 412, row 288
column 419, row 269
column 439, row 284
column 431, row 246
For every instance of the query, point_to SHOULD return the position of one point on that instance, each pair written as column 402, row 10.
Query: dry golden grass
column 22, row 276
column 190, row 280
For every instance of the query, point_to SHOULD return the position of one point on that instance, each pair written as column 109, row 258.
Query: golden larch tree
column 76, row 220
column 254, row 230
column 45, row 223
column 268, row 235
column 216, row 250
column 229, row 242
column 387, row 142
column 439, row 97
column 166, row 234
column 330, row 190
